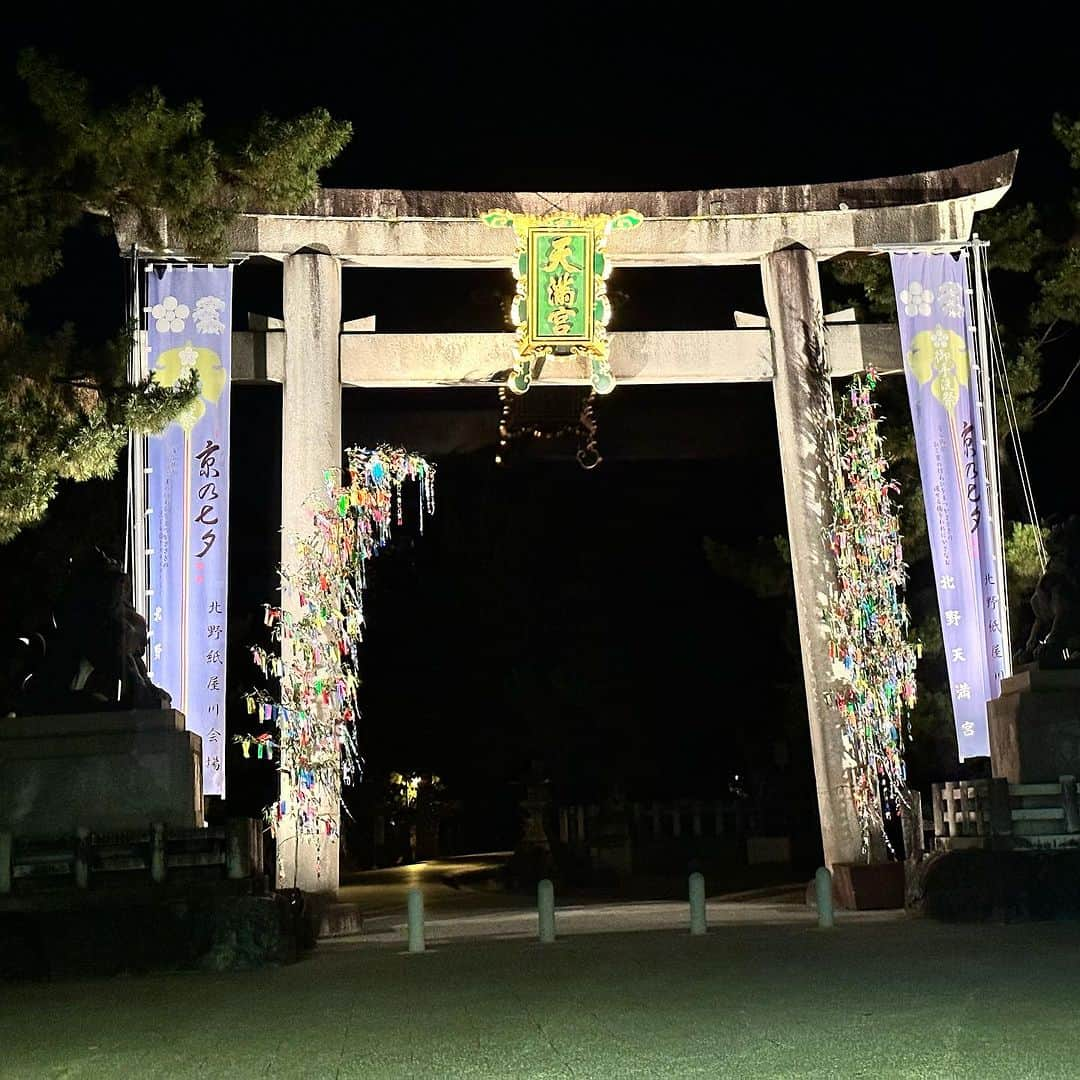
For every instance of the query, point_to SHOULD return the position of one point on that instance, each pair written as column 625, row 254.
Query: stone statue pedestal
column 1035, row 726
column 107, row 772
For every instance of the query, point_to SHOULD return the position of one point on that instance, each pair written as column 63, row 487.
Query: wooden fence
column 89, row 860
column 653, row 822
column 999, row 815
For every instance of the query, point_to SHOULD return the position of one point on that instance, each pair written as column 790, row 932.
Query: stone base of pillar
column 308, row 863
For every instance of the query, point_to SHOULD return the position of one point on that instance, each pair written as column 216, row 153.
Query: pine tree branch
column 1036, row 413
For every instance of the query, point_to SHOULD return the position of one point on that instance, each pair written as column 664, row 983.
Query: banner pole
column 135, row 553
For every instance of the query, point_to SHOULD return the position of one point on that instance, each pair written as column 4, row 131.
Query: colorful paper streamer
column 867, row 617
column 320, row 624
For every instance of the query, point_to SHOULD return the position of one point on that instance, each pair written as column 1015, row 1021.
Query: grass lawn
column 909, row 998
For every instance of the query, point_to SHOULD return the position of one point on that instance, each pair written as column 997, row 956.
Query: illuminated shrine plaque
column 561, row 306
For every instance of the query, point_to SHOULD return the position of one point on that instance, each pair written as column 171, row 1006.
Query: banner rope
column 997, row 354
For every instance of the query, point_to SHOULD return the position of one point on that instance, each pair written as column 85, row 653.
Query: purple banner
column 189, row 325
column 933, row 305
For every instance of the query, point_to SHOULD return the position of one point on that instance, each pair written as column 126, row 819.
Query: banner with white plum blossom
column 933, row 303
column 189, row 325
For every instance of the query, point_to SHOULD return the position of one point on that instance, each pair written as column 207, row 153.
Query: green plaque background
column 581, row 253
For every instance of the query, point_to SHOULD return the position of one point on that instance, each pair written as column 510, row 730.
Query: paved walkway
column 452, row 885
column 871, row 998
column 458, row 887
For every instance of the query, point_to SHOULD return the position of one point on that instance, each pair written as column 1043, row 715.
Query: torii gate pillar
column 806, row 424
column 310, row 444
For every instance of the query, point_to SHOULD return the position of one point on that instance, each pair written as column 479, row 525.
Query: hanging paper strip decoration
column 867, row 617
column 189, row 325
column 933, row 304
column 319, row 625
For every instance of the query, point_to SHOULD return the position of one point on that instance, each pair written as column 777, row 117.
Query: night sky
column 550, row 612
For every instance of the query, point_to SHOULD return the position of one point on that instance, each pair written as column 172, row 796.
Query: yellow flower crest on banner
column 173, row 364
column 940, row 355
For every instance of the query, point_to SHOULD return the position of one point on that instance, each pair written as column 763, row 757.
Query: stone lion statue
column 90, row 659
column 1055, row 636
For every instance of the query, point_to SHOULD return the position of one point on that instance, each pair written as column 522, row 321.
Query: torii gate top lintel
column 720, row 226
column 982, row 179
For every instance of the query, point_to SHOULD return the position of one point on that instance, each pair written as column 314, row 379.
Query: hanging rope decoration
column 513, row 425
column 867, row 618
column 320, row 625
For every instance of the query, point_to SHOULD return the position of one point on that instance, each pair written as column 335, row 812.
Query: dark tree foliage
column 66, row 409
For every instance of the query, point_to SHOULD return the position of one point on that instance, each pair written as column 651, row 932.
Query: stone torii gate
column 787, row 231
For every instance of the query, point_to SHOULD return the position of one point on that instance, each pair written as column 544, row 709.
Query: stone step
column 1023, row 790
column 1042, row 813
column 1039, row 828
column 338, row 920
column 1046, row 840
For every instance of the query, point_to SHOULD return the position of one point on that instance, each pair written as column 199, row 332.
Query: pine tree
column 66, row 410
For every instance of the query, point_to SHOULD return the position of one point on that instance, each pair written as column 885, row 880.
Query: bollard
column 157, row 853
column 6, row 852
column 416, row 921
column 82, row 861
column 823, row 892
column 697, row 904
column 545, row 905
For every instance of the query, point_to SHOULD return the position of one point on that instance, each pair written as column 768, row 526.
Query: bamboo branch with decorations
column 320, row 624
column 867, row 618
